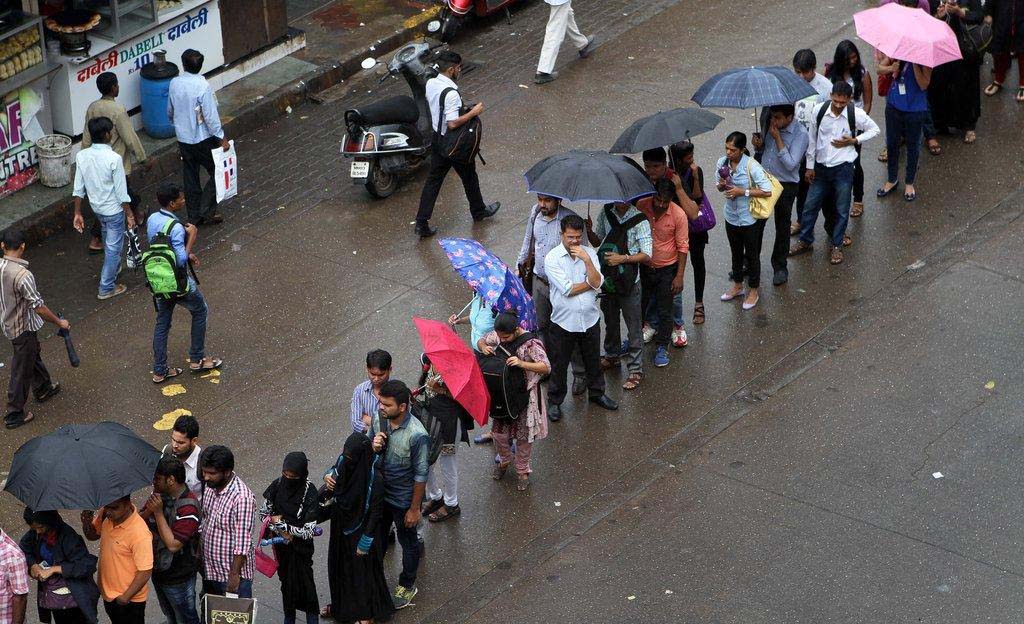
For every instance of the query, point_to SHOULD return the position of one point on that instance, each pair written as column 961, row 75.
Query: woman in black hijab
column 291, row 503
column 355, row 563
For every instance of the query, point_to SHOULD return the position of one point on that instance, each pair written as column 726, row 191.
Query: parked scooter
column 390, row 138
column 455, row 11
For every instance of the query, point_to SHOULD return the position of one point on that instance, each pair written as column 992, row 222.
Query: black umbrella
column 665, row 128
column 589, row 176
column 81, row 467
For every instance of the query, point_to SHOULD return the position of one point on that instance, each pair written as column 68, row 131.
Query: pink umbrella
column 908, row 34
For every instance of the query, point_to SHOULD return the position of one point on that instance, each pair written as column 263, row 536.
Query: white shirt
column 820, row 149
column 573, row 314
column 191, row 469
column 557, row 2
column 805, row 107
column 452, row 101
column 99, row 176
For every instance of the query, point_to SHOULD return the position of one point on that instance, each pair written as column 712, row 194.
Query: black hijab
column 287, row 494
column 353, row 480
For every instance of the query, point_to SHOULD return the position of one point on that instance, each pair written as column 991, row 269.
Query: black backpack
column 462, row 144
column 618, row 280
column 506, row 384
column 851, row 116
column 421, row 410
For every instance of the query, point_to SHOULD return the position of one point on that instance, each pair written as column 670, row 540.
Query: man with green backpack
column 166, row 266
column 622, row 237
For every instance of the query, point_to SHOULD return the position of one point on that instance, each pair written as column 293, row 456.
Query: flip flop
column 174, row 372
column 909, row 196
column 993, row 89
column 202, row 368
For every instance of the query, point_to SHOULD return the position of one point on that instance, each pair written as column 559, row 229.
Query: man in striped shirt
column 229, row 512
column 23, row 313
column 365, row 403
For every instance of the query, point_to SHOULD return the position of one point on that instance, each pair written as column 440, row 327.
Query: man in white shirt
column 99, row 176
column 805, row 64
column 451, row 118
column 561, row 22
column 185, row 446
column 575, row 279
column 831, row 151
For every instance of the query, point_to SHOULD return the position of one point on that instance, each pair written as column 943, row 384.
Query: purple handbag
column 706, row 216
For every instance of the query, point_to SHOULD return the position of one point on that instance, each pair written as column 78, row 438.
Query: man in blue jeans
column 831, row 152
column 404, row 442
column 183, row 238
column 99, row 177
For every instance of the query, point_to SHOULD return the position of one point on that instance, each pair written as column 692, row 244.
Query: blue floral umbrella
column 491, row 279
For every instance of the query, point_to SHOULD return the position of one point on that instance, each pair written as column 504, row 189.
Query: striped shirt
column 364, row 401
column 18, row 298
column 13, row 577
column 228, row 518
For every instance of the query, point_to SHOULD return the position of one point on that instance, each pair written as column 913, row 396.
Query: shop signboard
column 19, row 165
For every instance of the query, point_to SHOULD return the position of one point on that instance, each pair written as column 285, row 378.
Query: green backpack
column 163, row 275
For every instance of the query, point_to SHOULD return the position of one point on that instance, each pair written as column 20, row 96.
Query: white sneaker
column 679, row 339
column 649, row 333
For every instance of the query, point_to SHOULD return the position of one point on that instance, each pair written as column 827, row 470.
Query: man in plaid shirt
column 229, row 512
column 13, row 582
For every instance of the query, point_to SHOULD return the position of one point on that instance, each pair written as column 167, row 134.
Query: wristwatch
column 746, row 193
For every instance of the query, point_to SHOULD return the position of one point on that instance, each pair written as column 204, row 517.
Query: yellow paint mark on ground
column 167, row 420
column 173, row 390
column 990, row 385
column 212, row 376
column 419, row 18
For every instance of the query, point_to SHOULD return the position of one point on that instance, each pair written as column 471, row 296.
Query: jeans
column 439, row 168
column 113, row 228
column 835, row 184
column 628, row 306
column 131, row 613
column 194, row 303
column 178, row 602
column 651, row 308
column 563, row 343
column 783, row 218
column 657, row 285
column 900, row 124
column 220, row 588
column 27, row 372
column 408, row 537
column 201, row 201
column 745, row 246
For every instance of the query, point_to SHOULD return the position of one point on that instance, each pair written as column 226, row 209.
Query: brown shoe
column 119, row 289
column 499, row 471
column 836, row 256
column 800, row 248
column 857, row 210
column 847, row 241
column 794, row 228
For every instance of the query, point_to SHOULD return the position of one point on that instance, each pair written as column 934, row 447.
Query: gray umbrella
column 665, row 128
column 589, row 176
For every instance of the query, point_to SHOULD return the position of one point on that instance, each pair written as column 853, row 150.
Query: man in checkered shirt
column 229, row 512
column 13, row 582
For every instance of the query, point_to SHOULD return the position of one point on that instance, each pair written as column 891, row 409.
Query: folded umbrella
column 753, row 87
column 81, row 467
column 589, row 176
column 665, row 128
column 908, row 34
column 491, row 279
column 457, row 365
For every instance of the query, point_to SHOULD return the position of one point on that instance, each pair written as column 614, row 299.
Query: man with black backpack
column 447, row 116
column 173, row 515
column 166, row 264
column 622, row 236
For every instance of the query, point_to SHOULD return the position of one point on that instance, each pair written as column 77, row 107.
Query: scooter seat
column 399, row 109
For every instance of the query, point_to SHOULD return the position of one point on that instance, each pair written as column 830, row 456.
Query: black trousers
column 131, row 613
column 27, row 371
column 562, row 345
column 439, row 168
column 698, row 241
column 745, row 245
column 783, row 219
column 200, row 200
column 657, row 285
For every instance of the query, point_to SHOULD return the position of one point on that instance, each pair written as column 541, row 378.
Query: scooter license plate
column 360, row 169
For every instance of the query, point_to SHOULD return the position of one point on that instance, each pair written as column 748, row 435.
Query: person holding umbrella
column 58, row 558
column 443, row 477
column 906, row 111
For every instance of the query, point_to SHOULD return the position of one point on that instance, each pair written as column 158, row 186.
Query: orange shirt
column 670, row 231
column 125, row 549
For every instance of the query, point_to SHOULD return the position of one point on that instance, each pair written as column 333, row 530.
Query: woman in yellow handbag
column 743, row 181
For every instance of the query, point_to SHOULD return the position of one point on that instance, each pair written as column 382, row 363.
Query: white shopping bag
column 225, row 172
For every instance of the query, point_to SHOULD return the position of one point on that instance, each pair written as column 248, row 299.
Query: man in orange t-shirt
column 662, row 277
column 126, row 559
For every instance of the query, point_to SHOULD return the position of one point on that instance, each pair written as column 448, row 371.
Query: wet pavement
column 780, row 469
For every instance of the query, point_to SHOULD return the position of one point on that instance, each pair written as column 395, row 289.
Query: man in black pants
column 193, row 110
column 451, row 118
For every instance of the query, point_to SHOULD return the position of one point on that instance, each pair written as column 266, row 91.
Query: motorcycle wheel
column 381, row 184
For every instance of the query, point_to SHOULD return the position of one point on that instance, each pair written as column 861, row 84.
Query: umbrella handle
column 464, row 308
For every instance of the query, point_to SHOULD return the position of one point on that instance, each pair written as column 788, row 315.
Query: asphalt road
column 779, row 470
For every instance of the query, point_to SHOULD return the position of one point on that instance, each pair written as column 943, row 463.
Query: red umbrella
column 457, row 365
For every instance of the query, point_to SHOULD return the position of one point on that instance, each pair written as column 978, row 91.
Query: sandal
column 174, row 372
column 698, row 313
column 794, row 228
column 857, row 209
column 633, row 381
column 970, row 137
column 993, row 89
column 499, row 471
column 934, row 148
column 608, row 363
column 1020, row 94
column 836, row 257
column 326, row 612
column 208, row 364
column 523, row 482
column 847, row 241
column 883, row 156
column 444, row 513
column 432, row 506
column 799, row 248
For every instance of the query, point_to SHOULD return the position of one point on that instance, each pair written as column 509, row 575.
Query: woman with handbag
column 681, row 155
column 1007, row 20
column 291, row 504
column 740, row 178
column 58, row 558
column 954, row 94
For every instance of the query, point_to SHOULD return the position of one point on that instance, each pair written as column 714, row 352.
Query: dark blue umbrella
column 665, row 128
column 491, row 279
column 753, row 87
column 596, row 176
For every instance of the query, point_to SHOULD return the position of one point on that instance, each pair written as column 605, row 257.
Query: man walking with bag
column 447, row 116
column 561, row 22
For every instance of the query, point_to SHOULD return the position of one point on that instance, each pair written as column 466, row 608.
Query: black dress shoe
column 53, row 391
column 543, row 78
column 489, row 211
column 579, row 385
column 781, row 277
column 605, row 402
column 587, row 49
column 554, row 413
column 425, row 231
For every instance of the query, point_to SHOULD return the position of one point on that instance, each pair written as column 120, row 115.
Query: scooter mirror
column 369, row 63
column 434, row 26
